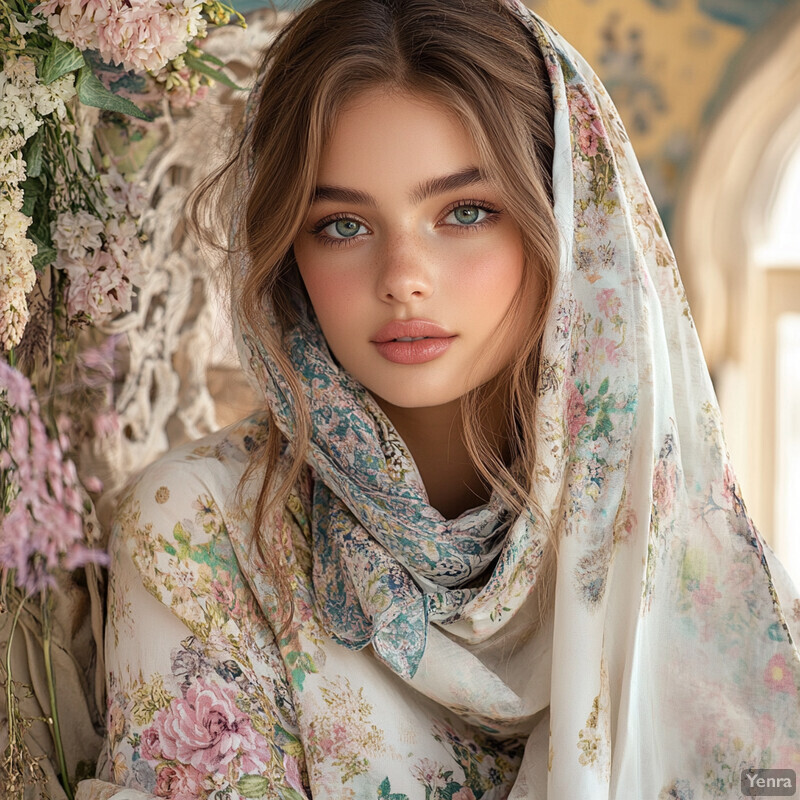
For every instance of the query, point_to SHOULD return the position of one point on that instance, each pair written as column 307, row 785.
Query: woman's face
column 405, row 241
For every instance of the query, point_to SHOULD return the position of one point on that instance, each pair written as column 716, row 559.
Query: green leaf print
column 301, row 664
column 287, row 793
column 252, row 786
column 449, row 790
column 385, row 792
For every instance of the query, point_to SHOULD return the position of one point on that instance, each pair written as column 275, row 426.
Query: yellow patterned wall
column 665, row 63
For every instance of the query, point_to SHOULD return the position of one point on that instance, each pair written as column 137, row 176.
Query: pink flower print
column 665, row 478
column 207, row 730
column 607, row 346
column 179, row 782
column 223, row 592
column 706, row 593
column 292, row 770
column 589, row 126
column 765, row 730
column 576, row 412
column 150, row 745
column 608, row 302
column 464, row 793
column 778, row 676
column 588, row 140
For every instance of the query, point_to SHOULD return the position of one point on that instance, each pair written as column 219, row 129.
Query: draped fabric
column 666, row 663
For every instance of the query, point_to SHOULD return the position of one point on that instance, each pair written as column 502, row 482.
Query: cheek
column 488, row 281
column 330, row 290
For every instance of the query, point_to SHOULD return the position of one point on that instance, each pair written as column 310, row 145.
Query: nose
column 405, row 273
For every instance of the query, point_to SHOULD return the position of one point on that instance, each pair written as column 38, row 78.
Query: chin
column 403, row 398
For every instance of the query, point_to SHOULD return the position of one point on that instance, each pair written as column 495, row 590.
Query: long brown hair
column 477, row 60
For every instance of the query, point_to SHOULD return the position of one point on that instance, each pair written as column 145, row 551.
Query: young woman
column 484, row 541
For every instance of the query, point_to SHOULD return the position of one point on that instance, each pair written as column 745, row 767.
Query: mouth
column 414, row 349
column 411, row 330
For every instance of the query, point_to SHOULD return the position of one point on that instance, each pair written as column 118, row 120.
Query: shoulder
column 216, row 462
column 174, row 516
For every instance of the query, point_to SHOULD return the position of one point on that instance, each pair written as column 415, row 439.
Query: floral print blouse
column 203, row 699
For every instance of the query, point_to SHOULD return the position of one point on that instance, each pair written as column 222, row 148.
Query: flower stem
column 51, row 688
column 10, row 699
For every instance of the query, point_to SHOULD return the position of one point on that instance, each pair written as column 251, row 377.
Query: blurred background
column 710, row 93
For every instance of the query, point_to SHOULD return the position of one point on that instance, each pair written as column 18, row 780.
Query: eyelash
column 492, row 216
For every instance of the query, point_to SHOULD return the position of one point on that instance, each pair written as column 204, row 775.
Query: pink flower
column 778, row 676
column 207, row 730
column 464, row 794
column 43, row 529
column 148, row 34
column 19, row 392
column 576, row 412
column 179, row 782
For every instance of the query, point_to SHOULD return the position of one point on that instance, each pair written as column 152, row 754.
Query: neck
column 435, row 438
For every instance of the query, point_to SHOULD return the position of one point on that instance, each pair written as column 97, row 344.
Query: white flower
column 24, row 28
column 23, row 100
column 11, row 199
column 13, row 227
column 13, row 316
column 55, row 95
column 16, row 112
column 12, row 168
column 10, row 144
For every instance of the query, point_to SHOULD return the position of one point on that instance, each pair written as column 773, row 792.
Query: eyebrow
column 422, row 191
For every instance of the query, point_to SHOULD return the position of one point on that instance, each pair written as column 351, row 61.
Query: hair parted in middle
column 472, row 58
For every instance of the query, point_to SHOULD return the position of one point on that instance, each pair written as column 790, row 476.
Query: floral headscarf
column 669, row 657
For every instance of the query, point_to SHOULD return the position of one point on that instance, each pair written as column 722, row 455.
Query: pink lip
column 436, row 341
column 410, row 328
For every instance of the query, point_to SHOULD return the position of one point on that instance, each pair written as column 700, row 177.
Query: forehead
column 393, row 136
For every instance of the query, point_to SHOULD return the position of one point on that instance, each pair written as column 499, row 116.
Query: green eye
column 467, row 215
column 346, row 227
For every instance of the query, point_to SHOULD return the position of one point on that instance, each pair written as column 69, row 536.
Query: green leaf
column 61, row 59
column 32, row 190
column 603, row 387
column 199, row 65
column 91, row 92
column 384, row 788
column 212, row 59
column 45, row 256
column 33, row 155
column 252, row 786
